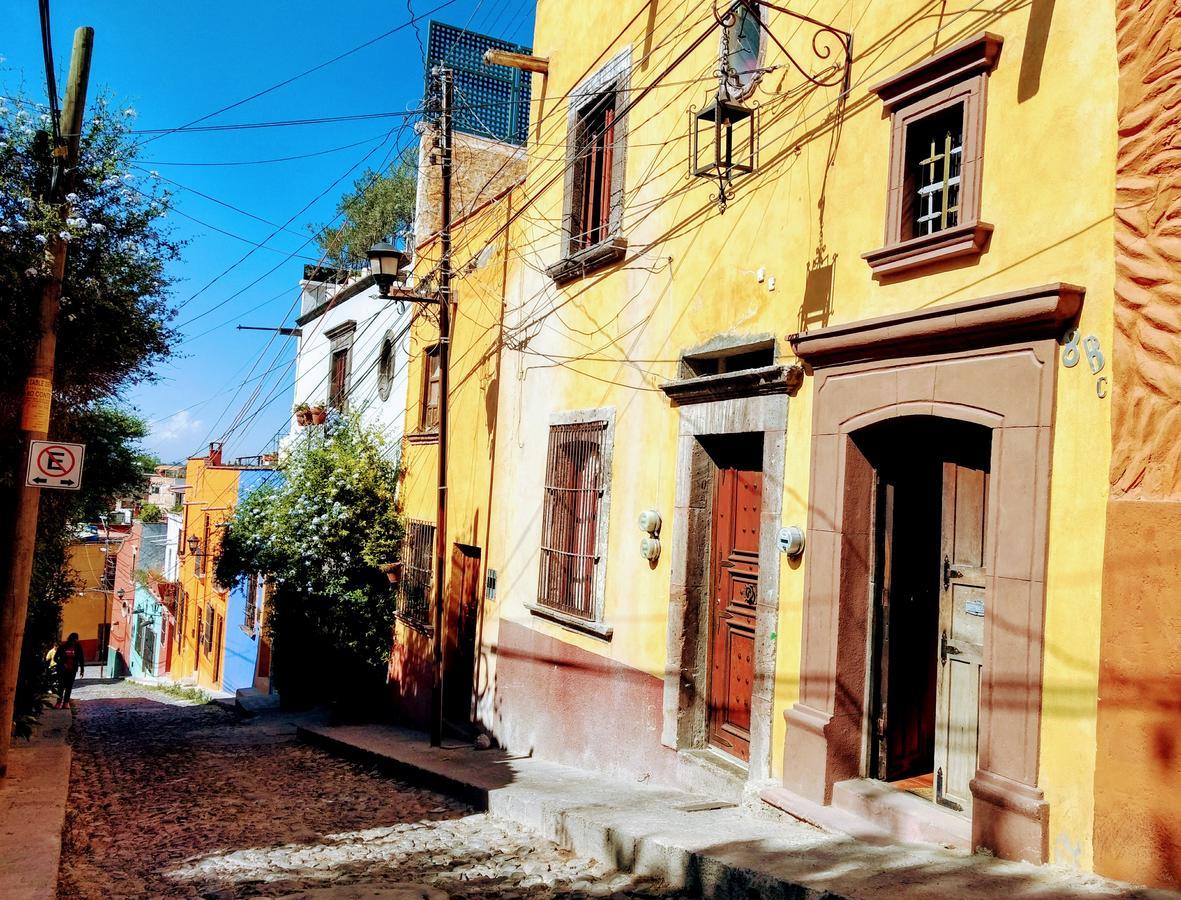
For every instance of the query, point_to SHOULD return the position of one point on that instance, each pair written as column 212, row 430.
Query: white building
column 353, row 349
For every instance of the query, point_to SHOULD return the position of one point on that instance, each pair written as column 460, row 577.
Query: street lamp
column 386, row 263
column 194, row 542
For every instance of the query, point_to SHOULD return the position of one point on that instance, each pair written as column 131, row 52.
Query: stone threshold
column 689, row 840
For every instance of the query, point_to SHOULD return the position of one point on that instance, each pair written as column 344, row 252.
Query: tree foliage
column 380, row 207
column 320, row 531
column 113, row 331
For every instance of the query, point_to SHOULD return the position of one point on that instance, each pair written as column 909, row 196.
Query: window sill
column 584, row 262
column 951, row 243
column 415, row 625
column 422, row 437
column 596, row 629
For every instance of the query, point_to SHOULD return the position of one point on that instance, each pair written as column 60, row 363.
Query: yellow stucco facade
column 88, row 611
column 786, row 256
column 209, row 501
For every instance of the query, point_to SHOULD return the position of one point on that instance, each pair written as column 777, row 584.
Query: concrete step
column 905, row 816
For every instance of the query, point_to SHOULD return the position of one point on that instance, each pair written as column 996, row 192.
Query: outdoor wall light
column 194, row 542
column 650, row 521
column 791, row 541
column 650, row 549
column 385, row 264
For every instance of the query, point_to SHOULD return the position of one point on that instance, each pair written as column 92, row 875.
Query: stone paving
column 173, row 799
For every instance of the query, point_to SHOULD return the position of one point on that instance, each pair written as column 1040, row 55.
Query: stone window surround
column 615, row 76
column 956, row 75
column 596, row 627
column 944, row 361
column 713, row 405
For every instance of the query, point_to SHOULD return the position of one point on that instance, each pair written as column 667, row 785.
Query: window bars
column 251, row 619
column 937, row 154
column 570, row 530
column 418, row 561
column 595, row 151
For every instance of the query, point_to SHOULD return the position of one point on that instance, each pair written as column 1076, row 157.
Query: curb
column 629, row 849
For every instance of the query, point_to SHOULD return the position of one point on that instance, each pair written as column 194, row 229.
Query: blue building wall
column 242, row 645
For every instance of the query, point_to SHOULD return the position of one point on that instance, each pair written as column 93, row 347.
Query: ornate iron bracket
column 825, row 39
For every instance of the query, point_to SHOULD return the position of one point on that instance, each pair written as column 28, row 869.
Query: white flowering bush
column 320, row 530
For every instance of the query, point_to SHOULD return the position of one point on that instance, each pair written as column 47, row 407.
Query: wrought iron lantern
column 386, row 262
column 724, row 143
column 194, row 543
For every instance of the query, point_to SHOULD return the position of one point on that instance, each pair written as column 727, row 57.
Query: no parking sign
column 53, row 464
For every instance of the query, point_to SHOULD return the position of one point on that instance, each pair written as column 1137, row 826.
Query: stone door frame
column 992, row 362
column 744, row 402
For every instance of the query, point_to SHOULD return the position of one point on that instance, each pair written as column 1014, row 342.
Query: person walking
column 70, row 662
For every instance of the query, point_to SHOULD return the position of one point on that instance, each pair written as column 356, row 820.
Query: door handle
column 949, row 573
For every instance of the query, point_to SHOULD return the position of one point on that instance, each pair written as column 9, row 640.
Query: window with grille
column 108, row 577
column 418, row 561
column 385, row 366
column 430, row 389
column 182, row 600
column 935, row 150
column 936, row 177
column 570, row 542
column 208, row 628
column 251, row 619
column 594, row 153
column 202, row 552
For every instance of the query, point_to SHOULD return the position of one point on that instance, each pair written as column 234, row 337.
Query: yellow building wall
column 610, row 339
column 479, row 251
column 90, row 607
column 211, row 498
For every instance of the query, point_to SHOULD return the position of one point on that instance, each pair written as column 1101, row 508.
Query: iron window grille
column 251, row 620
column 208, row 629
column 574, row 486
column 936, row 149
column 107, row 582
column 593, row 173
column 385, row 366
column 418, row 561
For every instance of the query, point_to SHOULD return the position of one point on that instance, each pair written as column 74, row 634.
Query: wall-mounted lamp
column 194, row 542
column 649, row 521
column 791, row 541
column 386, row 263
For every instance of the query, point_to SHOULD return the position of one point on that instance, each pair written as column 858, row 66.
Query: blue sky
column 175, row 62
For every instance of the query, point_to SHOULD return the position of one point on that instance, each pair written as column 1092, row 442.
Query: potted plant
column 393, row 571
column 303, row 414
column 319, row 413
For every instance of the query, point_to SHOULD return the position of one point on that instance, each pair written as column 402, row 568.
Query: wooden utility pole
column 14, row 603
column 444, row 76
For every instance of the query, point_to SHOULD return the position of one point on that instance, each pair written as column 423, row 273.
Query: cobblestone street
column 172, row 799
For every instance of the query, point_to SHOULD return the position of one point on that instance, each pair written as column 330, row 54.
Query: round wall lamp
column 791, row 541
column 649, row 521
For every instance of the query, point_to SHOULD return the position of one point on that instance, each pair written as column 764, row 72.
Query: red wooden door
column 734, row 577
column 459, row 636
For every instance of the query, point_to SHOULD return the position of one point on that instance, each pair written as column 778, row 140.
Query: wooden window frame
column 594, row 625
column 955, row 76
column 579, row 260
column 430, row 360
column 341, row 341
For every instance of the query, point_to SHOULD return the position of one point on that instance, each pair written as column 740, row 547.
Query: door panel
column 961, row 629
column 734, row 576
column 459, row 637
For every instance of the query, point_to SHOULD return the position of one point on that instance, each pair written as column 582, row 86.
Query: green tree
column 113, row 332
column 380, row 207
column 151, row 514
column 320, row 532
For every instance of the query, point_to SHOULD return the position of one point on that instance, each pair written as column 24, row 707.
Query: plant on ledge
column 321, row 529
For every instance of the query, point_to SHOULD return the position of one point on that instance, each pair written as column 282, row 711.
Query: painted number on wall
column 1072, row 353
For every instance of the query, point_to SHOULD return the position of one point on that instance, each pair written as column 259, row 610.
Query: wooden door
column 961, row 633
column 217, row 650
column 734, row 579
column 459, row 637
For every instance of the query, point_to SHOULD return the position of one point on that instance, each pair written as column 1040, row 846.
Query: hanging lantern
column 723, row 139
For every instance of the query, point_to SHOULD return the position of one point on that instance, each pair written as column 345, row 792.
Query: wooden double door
column 930, row 615
column 734, row 579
